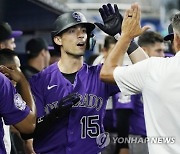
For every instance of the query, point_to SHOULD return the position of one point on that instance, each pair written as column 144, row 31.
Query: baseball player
column 7, row 37
column 13, row 109
column 80, row 131
column 7, row 40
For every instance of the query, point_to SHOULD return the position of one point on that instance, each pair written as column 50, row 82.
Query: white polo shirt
column 159, row 81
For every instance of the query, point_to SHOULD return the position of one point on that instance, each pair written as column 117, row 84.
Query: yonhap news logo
column 149, row 140
column 103, row 140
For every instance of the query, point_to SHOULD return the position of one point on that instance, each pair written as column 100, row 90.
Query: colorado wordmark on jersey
column 78, row 131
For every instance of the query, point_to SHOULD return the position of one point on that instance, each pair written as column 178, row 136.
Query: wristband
column 132, row 47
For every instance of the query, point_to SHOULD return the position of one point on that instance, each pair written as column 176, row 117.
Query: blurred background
column 35, row 17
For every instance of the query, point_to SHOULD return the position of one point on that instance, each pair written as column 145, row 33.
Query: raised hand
column 112, row 19
column 131, row 23
column 13, row 73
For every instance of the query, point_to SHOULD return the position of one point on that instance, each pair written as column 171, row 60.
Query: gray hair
column 176, row 23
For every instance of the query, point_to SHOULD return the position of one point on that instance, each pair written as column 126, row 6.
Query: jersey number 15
column 90, row 126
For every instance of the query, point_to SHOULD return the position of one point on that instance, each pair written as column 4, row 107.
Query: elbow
column 27, row 125
column 103, row 75
column 107, row 76
column 30, row 129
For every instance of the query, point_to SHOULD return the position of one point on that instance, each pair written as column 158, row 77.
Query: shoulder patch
column 18, row 102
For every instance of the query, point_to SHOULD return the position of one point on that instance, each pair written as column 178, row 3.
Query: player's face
column 155, row 50
column 9, row 44
column 73, row 40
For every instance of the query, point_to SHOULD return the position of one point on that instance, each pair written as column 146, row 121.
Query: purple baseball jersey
column 137, row 121
column 76, row 133
column 118, row 102
column 12, row 108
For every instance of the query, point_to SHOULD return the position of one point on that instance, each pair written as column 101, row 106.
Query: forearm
column 114, row 59
column 25, row 91
column 45, row 123
column 138, row 55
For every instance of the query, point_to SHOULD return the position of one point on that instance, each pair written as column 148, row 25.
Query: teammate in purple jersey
column 79, row 131
column 13, row 109
column 137, row 122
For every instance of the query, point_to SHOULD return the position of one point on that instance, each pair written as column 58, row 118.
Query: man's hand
column 131, row 23
column 112, row 19
column 13, row 73
column 65, row 104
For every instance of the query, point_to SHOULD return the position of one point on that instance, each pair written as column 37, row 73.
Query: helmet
column 70, row 19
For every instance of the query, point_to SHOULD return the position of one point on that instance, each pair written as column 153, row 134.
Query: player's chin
column 79, row 54
column 76, row 54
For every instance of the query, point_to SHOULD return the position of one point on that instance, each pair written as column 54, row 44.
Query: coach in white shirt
column 157, row 78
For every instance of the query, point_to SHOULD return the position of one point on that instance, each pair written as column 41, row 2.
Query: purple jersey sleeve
column 122, row 102
column 118, row 102
column 12, row 108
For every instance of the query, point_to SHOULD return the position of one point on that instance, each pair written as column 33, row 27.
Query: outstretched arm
column 130, row 29
column 112, row 20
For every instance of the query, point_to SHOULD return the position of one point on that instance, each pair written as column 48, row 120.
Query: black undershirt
column 70, row 77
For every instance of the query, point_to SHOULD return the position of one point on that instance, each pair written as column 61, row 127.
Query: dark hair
column 176, row 22
column 149, row 37
column 5, row 30
column 7, row 56
column 108, row 41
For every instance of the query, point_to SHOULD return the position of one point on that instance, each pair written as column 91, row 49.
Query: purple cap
column 7, row 33
column 16, row 33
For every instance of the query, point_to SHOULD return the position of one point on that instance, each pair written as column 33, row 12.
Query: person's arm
column 130, row 29
column 27, row 125
column 112, row 20
column 28, row 146
column 138, row 55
